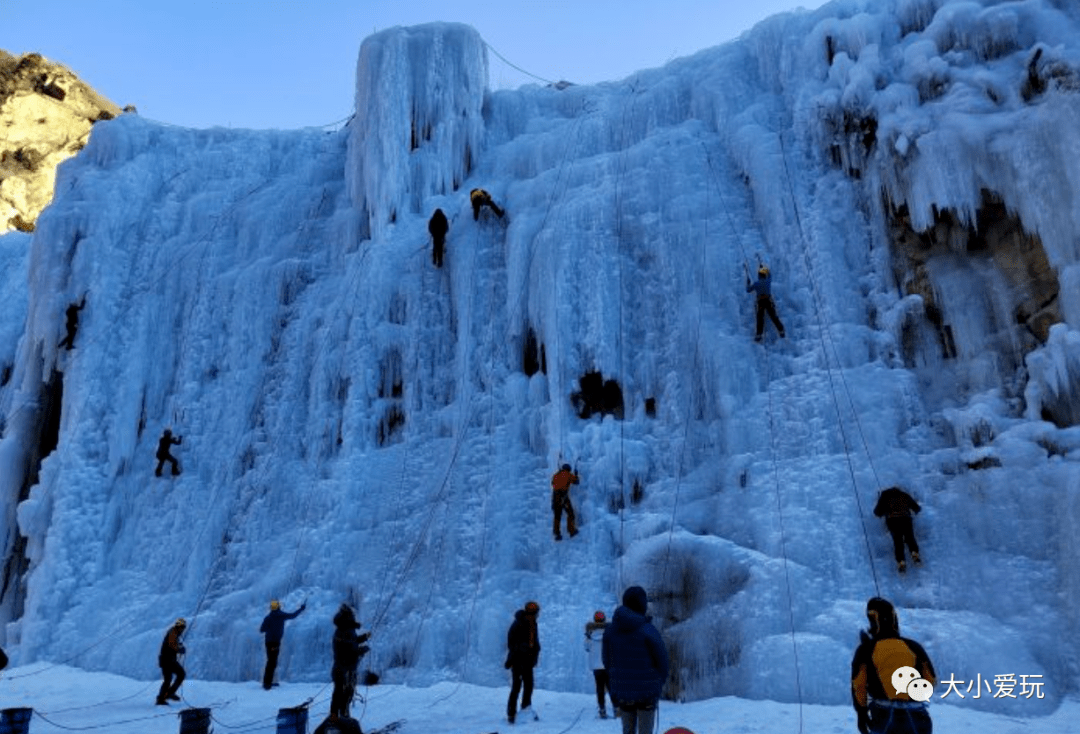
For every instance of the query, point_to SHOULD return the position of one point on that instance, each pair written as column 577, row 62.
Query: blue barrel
column 15, row 721
column 292, row 721
column 195, row 721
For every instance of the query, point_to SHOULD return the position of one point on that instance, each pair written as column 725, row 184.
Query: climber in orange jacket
column 560, row 500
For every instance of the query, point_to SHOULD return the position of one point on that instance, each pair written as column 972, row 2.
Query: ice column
column 418, row 123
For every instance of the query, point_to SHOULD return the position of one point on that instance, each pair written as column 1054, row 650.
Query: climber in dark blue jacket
column 636, row 661
column 765, row 305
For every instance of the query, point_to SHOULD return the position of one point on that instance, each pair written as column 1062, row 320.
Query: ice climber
column 636, row 661
column 172, row 673
column 164, row 444
column 273, row 627
column 72, row 324
column 594, row 646
column 349, row 647
column 560, row 500
column 765, row 305
column 481, row 198
column 896, row 506
column 522, row 654
column 438, row 227
column 891, row 677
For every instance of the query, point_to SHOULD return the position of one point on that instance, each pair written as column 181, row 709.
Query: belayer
column 348, row 647
column 172, row 672
column 888, row 699
column 481, row 198
column 594, row 646
column 522, row 655
column 765, row 305
column 273, row 627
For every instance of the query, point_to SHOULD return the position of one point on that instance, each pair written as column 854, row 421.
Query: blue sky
column 291, row 63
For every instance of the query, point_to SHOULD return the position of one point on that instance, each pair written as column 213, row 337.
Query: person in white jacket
column 594, row 636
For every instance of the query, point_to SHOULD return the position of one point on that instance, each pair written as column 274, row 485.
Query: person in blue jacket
column 273, row 627
column 765, row 305
column 636, row 661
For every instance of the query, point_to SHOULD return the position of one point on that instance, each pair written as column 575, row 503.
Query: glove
column 364, row 637
column 508, row 664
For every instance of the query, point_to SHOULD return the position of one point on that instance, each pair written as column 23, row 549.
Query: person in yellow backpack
column 885, row 671
column 481, row 198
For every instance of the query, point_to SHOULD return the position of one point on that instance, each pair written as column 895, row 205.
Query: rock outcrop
column 46, row 114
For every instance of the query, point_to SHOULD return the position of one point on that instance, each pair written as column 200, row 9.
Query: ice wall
column 418, row 125
column 359, row 425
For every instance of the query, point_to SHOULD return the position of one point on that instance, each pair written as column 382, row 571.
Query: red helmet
column 599, row 617
column 531, row 607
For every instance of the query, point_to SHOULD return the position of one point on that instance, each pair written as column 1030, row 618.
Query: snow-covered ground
column 360, row 426
column 66, row 699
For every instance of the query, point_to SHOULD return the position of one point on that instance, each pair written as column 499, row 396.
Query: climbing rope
column 775, row 458
column 783, row 535
column 631, row 103
column 515, row 66
column 823, row 331
column 689, row 393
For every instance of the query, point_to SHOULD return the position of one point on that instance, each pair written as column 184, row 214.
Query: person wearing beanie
column 172, row 672
column 594, row 638
column 273, row 627
column 348, row 649
column 522, row 655
column 879, row 707
column 636, row 661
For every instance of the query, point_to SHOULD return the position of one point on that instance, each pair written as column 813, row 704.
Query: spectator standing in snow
column 273, row 627
column 879, row 706
column 522, row 655
column 172, row 673
column 438, row 227
column 481, row 198
column 896, row 506
column 348, row 649
column 594, row 646
column 164, row 444
column 560, row 500
column 636, row 661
